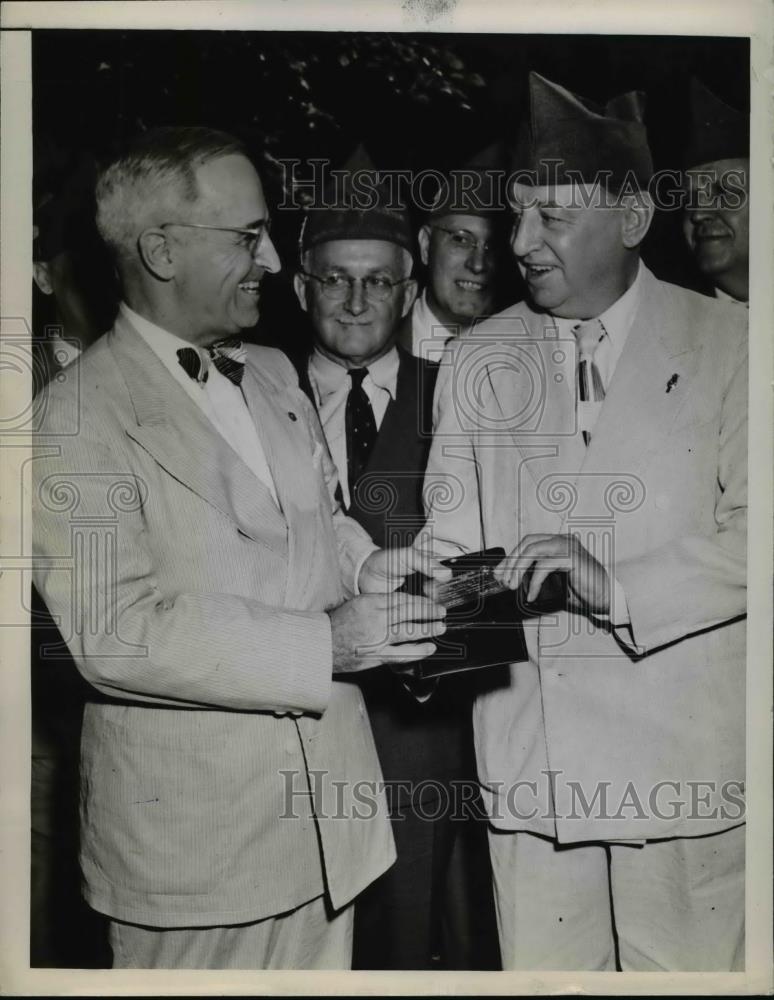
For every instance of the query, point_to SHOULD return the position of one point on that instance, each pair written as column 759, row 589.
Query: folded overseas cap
column 718, row 131
column 357, row 205
column 476, row 188
column 566, row 138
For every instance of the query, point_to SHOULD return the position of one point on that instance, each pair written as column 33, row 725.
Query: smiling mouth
column 470, row 286
column 250, row 287
column 536, row 271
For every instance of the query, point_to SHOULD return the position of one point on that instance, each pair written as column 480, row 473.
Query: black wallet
column 484, row 620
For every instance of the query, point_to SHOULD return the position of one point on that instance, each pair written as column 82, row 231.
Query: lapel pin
column 672, row 382
column 292, row 415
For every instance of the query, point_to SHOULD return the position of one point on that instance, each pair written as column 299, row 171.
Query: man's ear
column 409, row 294
column 299, row 287
column 636, row 216
column 424, row 244
column 41, row 275
column 156, row 253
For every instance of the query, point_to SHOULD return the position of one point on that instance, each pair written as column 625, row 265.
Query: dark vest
column 419, row 742
column 387, row 498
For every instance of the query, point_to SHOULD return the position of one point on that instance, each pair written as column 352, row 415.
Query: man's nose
column 356, row 301
column 479, row 259
column 526, row 235
column 266, row 255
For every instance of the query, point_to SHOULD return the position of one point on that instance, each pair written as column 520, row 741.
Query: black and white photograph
column 384, row 400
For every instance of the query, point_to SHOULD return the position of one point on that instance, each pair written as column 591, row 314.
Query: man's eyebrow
column 539, row 203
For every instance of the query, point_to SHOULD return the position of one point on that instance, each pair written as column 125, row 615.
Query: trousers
column 668, row 905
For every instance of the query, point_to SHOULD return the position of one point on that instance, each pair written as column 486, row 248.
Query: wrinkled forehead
column 578, row 194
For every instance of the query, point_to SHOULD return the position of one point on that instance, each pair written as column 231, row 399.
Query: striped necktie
column 591, row 392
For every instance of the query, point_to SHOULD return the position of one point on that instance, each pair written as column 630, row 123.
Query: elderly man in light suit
column 597, row 433
column 187, row 541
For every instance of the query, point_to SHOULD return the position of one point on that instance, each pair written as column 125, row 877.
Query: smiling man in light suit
column 187, row 541
column 598, row 431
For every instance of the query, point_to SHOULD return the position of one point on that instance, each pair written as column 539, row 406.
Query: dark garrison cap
column 566, row 138
column 357, row 205
column 476, row 188
column 718, row 131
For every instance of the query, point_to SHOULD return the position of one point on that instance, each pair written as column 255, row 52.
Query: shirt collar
column 427, row 324
column 725, row 297
column 618, row 318
column 164, row 344
column 330, row 376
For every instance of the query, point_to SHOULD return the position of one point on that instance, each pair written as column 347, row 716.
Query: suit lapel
column 650, row 387
column 177, row 434
column 534, row 390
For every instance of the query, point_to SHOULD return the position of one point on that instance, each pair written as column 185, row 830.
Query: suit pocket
column 155, row 813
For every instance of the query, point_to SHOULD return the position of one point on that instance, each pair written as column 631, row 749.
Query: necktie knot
column 357, row 375
column 587, row 336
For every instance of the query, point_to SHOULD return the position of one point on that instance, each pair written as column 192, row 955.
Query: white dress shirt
column 428, row 333
column 222, row 402
column 331, row 383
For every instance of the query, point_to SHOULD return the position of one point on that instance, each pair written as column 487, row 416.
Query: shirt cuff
column 358, row 567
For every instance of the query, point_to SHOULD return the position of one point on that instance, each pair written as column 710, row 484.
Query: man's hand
column 367, row 629
column 386, row 569
column 588, row 581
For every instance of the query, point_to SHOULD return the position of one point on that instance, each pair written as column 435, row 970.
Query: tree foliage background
column 416, row 101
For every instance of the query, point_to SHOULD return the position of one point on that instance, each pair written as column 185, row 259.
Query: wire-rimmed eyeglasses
column 339, row 287
column 253, row 237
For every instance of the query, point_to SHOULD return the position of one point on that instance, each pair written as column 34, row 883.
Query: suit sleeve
column 699, row 580
column 94, row 568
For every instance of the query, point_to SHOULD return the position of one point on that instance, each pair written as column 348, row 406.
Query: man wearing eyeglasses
column 188, row 541
column 374, row 402
column 461, row 246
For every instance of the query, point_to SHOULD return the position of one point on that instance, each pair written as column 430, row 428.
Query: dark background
column 416, row 101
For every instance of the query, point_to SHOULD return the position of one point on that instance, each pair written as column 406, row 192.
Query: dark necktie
column 591, row 392
column 228, row 358
column 360, row 427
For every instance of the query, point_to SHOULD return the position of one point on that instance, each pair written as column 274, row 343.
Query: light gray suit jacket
column 659, row 497
column 195, row 607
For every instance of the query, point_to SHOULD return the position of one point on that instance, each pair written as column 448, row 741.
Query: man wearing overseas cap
column 717, row 213
column 375, row 405
column 460, row 245
column 184, row 487
column 597, row 432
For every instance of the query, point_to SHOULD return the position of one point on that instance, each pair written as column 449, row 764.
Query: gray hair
column 151, row 179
